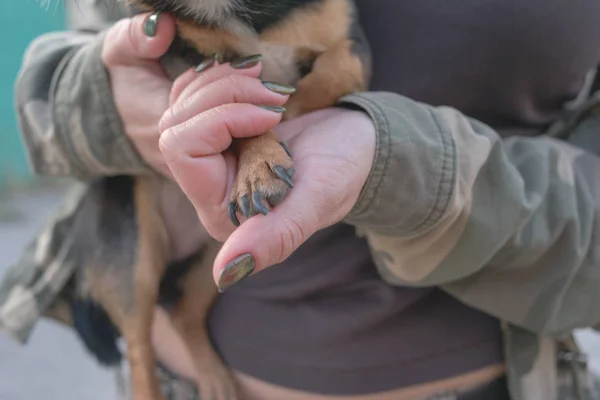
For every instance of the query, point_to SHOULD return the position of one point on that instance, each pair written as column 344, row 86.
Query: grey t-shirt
column 323, row 320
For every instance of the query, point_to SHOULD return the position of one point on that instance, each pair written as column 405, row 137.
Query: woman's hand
column 333, row 151
column 131, row 53
column 141, row 89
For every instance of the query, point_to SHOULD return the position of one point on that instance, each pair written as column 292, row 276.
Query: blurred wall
column 20, row 22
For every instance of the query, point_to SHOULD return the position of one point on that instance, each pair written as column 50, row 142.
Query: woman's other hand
column 131, row 53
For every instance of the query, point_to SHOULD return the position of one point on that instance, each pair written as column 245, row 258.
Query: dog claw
column 283, row 175
column 258, row 203
column 231, row 210
column 245, row 205
column 287, row 150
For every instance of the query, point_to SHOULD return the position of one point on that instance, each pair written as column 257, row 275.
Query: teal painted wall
column 20, row 22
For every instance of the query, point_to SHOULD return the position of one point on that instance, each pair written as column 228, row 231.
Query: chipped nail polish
column 237, row 269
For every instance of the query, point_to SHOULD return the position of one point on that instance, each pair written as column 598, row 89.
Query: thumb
column 133, row 41
column 265, row 240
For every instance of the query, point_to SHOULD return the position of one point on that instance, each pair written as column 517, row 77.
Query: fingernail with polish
column 279, row 88
column 206, row 64
column 246, row 62
column 235, row 271
column 152, row 24
column 276, row 109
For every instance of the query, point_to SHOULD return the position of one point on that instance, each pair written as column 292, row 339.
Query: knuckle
column 164, row 148
column 227, row 118
column 233, row 79
column 176, row 91
column 189, row 126
column 234, row 83
column 192, row 101
column 167, row 143
column 225, row 84
column 219, row 113
column 165, row 121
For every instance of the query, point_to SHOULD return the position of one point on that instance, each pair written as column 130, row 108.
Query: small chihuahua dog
column 316, row 46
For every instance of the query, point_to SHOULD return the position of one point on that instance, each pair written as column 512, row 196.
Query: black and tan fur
column 316, row 46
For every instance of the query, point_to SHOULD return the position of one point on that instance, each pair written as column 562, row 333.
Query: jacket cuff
column 87, row 120
column 412, row 179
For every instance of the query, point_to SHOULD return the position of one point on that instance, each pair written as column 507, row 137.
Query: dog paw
column 264, row 177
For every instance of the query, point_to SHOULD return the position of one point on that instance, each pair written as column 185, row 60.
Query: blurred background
column 20, row 22
column 53, row 365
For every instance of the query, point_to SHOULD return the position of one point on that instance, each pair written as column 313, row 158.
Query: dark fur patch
column 105, row 232
column 170, row 290
column 96, row 331
column 263, row 14
column 105, row 216
column 181, row 48
column 361, row 47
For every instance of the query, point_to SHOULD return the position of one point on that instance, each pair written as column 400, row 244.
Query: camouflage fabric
column 532, row 204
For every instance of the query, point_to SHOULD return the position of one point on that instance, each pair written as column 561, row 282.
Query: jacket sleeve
column 68, row 122
column 508, row 226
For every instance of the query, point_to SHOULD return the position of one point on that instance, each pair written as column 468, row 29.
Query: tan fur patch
column 257, row 158
column 335, row 73
column 316, row 27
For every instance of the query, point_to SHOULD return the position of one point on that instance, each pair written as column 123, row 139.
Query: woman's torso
column 323, row 320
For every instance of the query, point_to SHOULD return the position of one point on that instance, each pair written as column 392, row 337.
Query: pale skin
column 186, row 126
column 183, row 128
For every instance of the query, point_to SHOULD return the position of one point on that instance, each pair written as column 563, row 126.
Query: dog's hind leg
column 189, row 317
column 150, row 264
column 126, row 285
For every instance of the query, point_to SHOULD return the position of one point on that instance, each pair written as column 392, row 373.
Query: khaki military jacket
column 508, row 226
